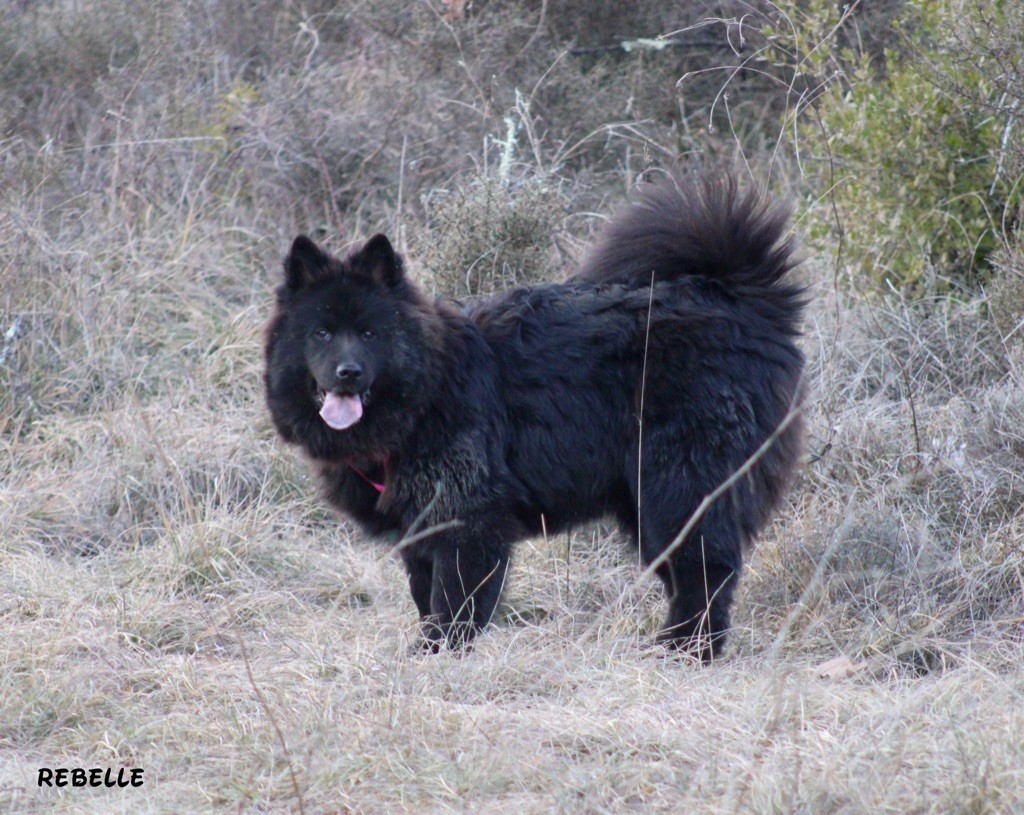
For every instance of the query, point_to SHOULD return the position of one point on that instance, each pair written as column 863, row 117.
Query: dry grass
column 173, row 595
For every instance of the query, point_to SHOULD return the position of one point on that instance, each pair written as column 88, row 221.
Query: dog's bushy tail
column 697, row 226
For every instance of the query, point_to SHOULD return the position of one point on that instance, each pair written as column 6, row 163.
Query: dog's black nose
column 349, row 371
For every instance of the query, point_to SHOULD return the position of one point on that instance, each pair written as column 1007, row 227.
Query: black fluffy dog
column 633, row 390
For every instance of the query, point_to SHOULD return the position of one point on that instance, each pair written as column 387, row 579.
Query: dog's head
column 352, row 340
column 347, row 313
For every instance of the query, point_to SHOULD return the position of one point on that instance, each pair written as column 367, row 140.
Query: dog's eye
column 369, row 335
column 322, row 334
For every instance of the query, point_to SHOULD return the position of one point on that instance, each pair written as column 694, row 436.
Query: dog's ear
column 379, row 261
column 305, row 263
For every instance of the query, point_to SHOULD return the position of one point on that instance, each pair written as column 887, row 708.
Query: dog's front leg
column 468, row 576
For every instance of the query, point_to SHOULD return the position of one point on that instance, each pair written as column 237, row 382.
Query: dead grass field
column 173, row 594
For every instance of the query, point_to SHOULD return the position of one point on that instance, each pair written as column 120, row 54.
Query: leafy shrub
column 915, row 147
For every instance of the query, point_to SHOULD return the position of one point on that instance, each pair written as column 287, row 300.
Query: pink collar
column 377, row 486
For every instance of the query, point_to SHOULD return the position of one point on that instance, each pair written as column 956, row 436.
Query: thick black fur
column 524, row 411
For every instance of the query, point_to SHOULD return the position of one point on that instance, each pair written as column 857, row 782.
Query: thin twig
column 640, row 419
column 266, row 707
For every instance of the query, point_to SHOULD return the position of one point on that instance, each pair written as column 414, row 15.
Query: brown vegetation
column 173, row 594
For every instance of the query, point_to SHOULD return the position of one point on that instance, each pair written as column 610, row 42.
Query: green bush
column 917, row 147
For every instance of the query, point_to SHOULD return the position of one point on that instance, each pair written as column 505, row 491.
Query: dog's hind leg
column 700, row 576
column 698, row 612
column 699, row 573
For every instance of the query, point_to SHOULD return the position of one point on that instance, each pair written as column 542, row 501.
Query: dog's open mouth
column 342, row 410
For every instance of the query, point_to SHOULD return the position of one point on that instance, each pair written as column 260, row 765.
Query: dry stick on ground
column 266, row 708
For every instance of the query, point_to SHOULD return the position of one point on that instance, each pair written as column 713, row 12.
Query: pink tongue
column 341, row 412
